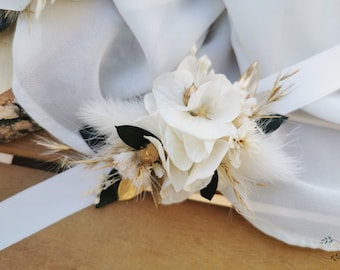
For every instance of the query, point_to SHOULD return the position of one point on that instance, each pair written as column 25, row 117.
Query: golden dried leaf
column 249, row 79
column 126, row 190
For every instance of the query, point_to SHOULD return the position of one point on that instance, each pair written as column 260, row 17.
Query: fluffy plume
column 270, row 162
column 105, row 115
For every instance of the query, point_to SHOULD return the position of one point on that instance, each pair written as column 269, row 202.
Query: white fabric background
column 89, row 49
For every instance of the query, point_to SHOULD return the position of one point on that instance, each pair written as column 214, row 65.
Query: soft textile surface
column 88, row 50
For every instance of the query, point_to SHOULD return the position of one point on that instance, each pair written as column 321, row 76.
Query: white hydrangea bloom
column 195, row 109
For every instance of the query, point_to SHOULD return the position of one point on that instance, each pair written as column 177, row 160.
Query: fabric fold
column 80, row 51
column 167, row 30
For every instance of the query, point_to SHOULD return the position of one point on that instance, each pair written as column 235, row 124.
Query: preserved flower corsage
column 195, row 132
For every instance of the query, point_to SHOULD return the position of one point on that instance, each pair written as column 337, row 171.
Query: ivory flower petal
column 199, row 68
column 201, row 173
column 196, row 149
column 245, row 140
column 168, row 89
column 199, row 127
column 178, row 177
column 176, row 150
column 216, row 100
column 169, row 195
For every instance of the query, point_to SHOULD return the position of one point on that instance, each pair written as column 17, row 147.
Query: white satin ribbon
column 317, row 77
column 46, row 203
column 62, row 195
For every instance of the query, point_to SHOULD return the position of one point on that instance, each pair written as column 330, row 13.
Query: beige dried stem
column 234, row 182
column 276, row 93
column 57, row 151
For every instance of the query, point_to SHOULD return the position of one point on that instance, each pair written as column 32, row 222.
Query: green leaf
column 209, row 191
column 134, row 136
column 271, row 123
column 110, row 194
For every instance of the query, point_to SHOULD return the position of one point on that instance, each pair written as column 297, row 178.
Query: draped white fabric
column 86, row 50
column 281, row 33
column 17, row 5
